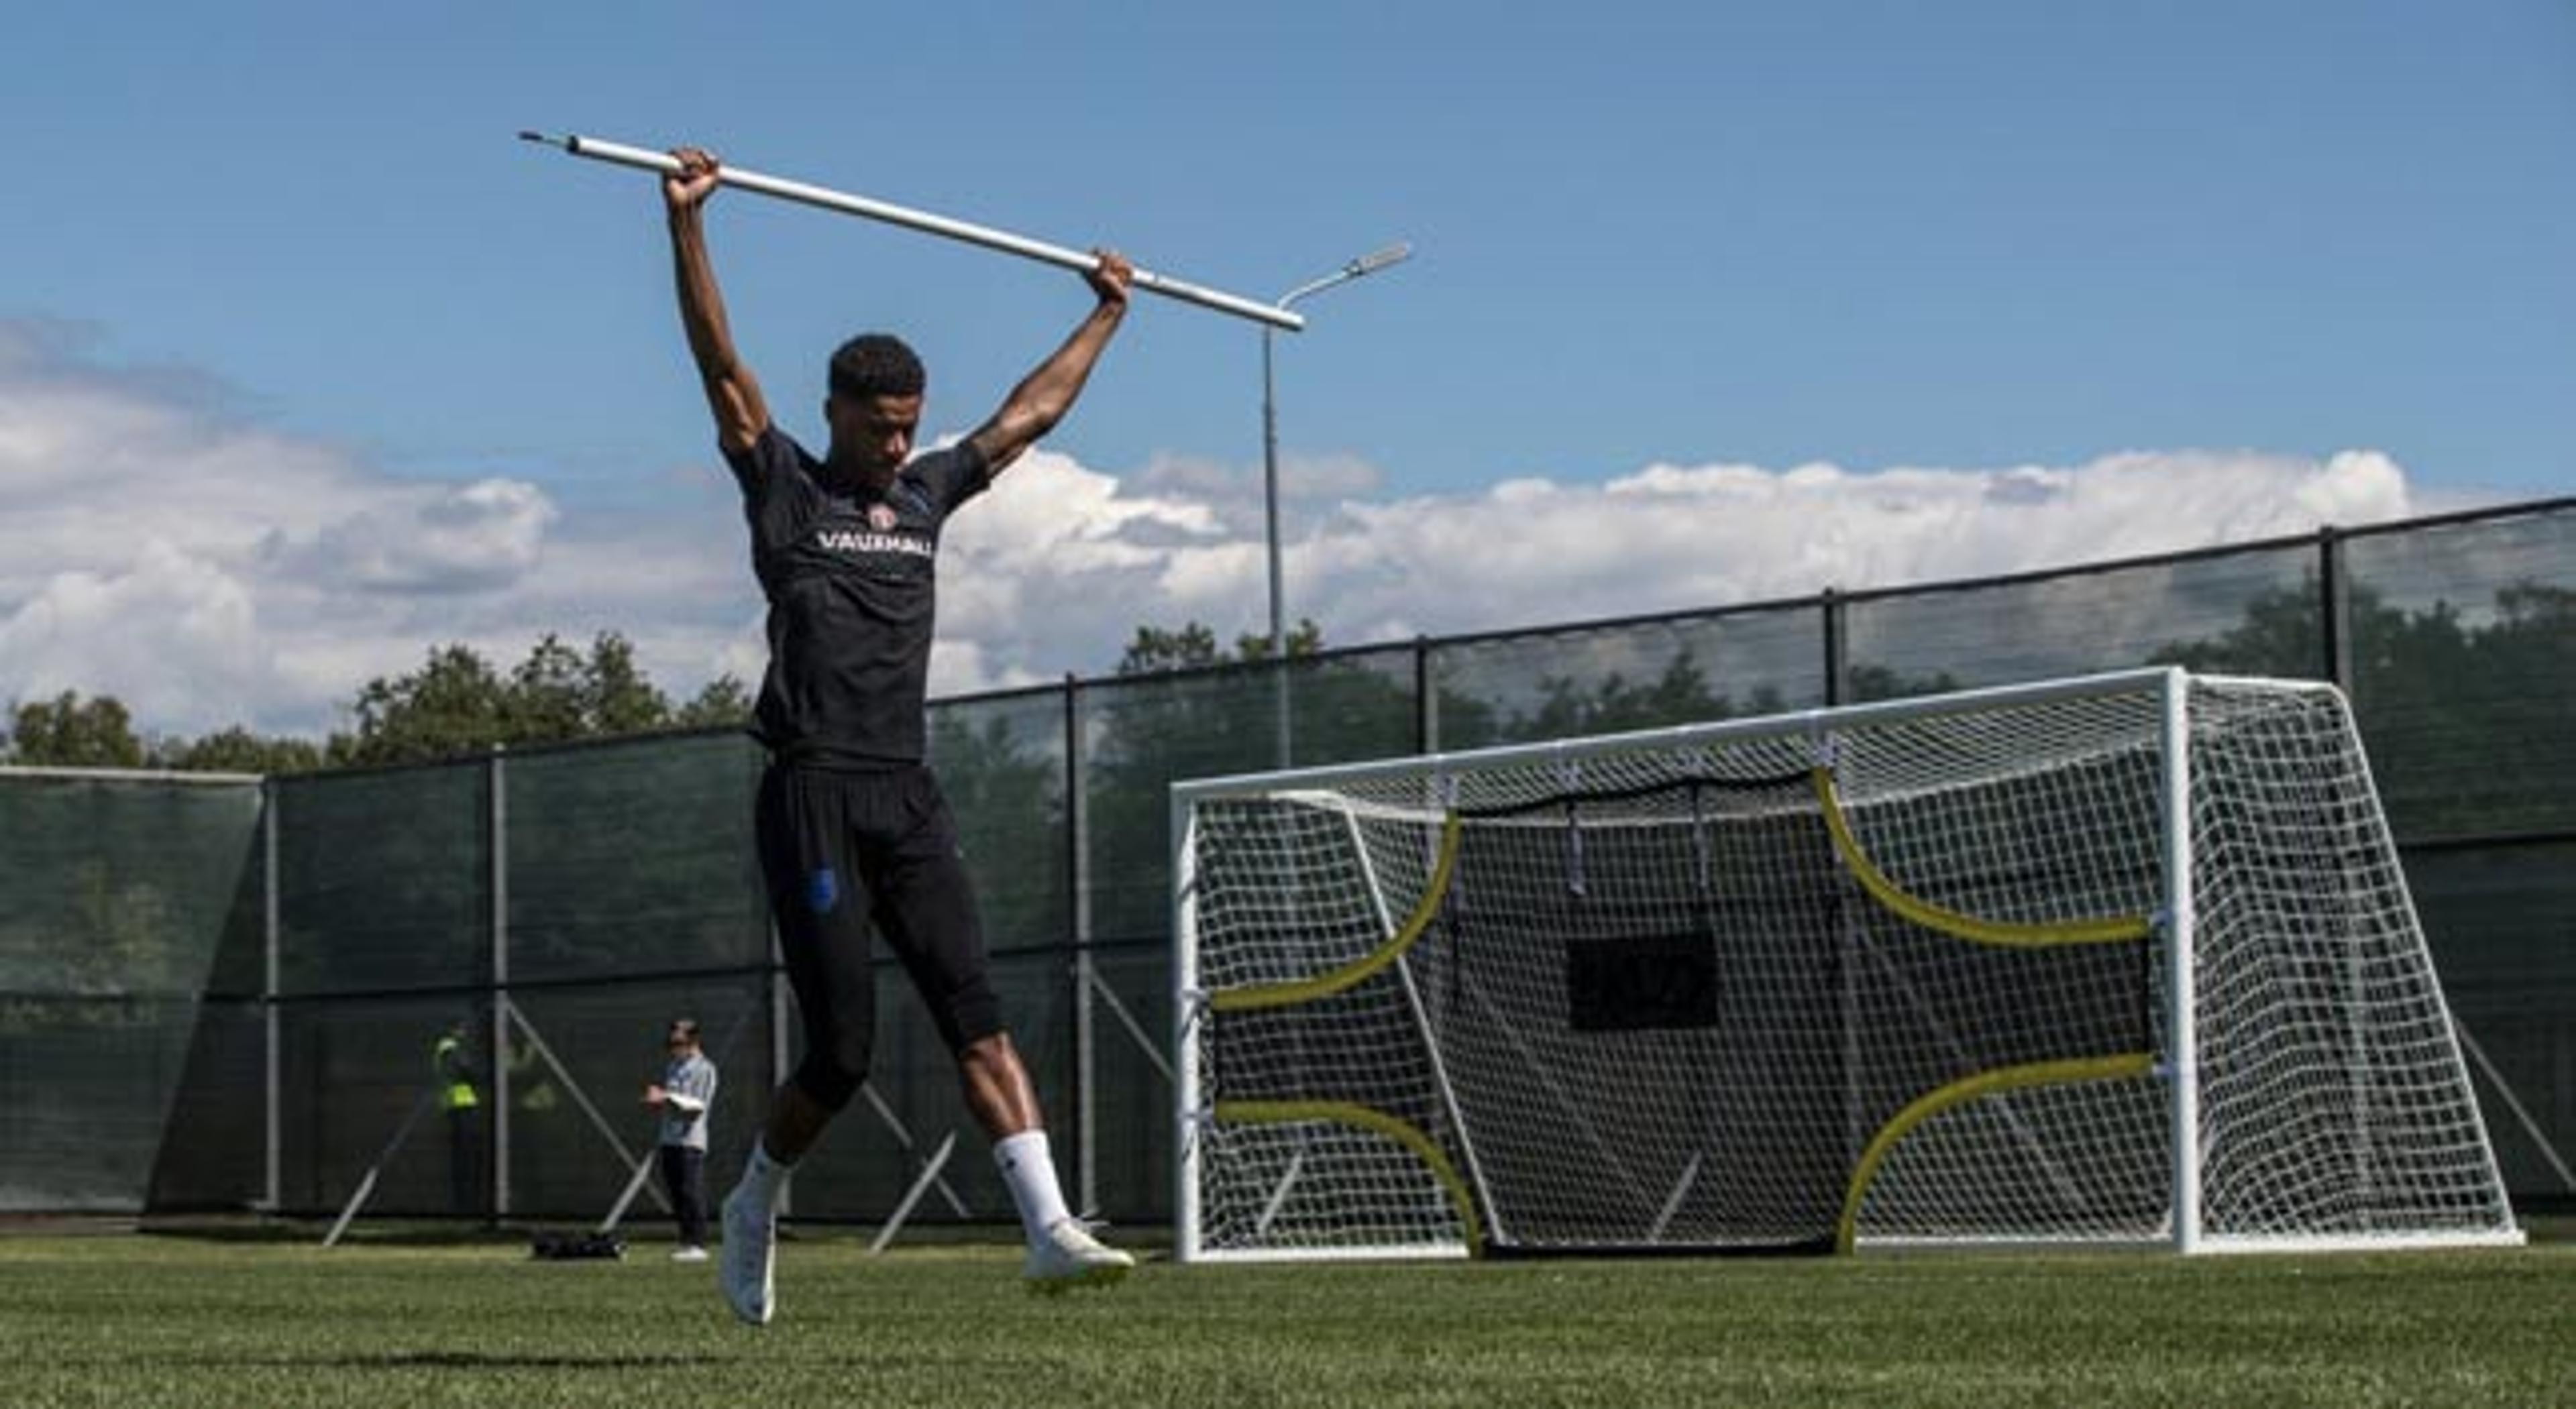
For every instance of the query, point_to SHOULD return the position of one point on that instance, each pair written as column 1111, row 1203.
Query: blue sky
column 1971, row 239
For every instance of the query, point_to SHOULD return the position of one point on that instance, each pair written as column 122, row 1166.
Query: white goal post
column 2122, row 959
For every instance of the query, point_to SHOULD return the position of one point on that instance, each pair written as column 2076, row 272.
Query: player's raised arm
column 1046, row 394
column 733, row 394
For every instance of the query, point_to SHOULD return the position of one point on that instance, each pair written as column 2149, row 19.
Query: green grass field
column 132, row 1319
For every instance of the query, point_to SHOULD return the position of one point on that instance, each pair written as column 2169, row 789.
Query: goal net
column 2013, row 965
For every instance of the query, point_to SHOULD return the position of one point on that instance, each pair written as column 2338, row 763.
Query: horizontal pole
column 1794, row 723
column 891, row 214
column 44, row 773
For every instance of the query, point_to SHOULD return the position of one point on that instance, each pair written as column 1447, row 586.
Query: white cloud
column 209, row 571
column 1532, row 551
column 433, row 539
column 178, row 631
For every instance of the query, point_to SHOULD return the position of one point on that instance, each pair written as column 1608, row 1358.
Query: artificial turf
column 137, row 1319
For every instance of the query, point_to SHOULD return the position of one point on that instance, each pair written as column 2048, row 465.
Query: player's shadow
column 488, row 1360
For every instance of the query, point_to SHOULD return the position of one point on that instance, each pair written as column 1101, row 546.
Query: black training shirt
column 850, row 580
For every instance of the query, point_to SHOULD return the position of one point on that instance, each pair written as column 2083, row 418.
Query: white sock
column 1029, row 1169
column 764, row 1177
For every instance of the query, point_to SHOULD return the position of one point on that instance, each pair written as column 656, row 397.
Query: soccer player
column 686, row 1090
column 852, row 830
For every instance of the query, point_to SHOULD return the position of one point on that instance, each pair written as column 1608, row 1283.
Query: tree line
column 2499, row 674
column 455, row 703
column 459, row 703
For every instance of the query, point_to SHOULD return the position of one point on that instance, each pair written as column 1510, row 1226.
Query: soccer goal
column 2121, row 959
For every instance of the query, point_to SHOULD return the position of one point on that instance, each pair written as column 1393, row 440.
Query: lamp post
column 1366, row 264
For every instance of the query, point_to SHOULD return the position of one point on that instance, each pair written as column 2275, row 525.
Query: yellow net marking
column 1337, row 980
column 1350, row 975
column 1376, row 1122
column 1959, row 1093
column 2117, row 929
column 2112, row 930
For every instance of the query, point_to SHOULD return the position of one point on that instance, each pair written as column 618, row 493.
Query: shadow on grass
column 495, row 1360
column 425, row 1233
column 424, row 1360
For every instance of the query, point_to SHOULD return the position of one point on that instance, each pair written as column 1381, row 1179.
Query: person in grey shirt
column 683, row 1095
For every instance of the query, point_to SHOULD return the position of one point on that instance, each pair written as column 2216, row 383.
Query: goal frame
column 2177, row 1064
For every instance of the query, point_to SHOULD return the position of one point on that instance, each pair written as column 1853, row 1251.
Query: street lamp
column 1366, row 264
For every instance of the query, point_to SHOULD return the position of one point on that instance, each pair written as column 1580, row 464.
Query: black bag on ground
column 577, row 1247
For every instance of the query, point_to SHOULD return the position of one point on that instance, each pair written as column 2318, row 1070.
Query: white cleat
column 689, row 1254
column 747, row 1269
column 1068, row 1256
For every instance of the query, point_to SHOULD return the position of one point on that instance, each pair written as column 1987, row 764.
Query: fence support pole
column 2334, row 608
column 1086, row 1172
column 1837, row 650
column 497, row 816
column 1426, row 701
column 273, row 1177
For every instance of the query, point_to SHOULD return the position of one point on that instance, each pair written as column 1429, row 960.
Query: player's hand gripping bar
column 1003, row 240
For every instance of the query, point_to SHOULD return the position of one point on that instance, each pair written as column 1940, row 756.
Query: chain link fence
column 224, row 994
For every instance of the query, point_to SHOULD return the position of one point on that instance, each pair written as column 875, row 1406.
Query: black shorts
column 844, row 852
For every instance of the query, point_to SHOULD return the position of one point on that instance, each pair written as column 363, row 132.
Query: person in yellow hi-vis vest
column 453, row 1062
